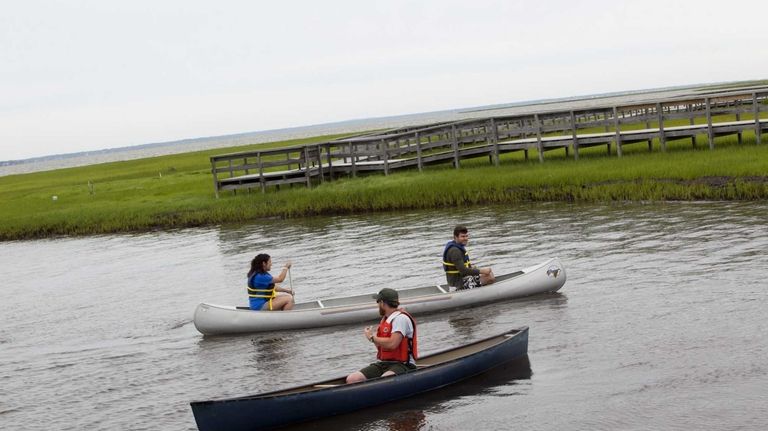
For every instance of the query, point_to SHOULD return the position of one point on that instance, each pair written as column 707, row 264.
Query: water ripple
column 658, row 327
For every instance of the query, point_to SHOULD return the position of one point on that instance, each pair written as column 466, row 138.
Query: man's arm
column 401, row 327
column 389, row 343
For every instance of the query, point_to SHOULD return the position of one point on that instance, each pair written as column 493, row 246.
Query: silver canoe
column 213, row 319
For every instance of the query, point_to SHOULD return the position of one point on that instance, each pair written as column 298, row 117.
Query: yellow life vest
column 262, row 289
column 449, row 267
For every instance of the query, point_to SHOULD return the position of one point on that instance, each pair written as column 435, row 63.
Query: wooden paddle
column 290, row 282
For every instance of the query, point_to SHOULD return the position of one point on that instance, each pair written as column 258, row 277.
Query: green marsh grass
column 177, row 191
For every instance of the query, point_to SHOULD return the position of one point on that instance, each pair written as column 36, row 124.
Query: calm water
column 661, row 324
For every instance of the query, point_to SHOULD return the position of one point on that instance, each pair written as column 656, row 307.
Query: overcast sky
column 84, row 75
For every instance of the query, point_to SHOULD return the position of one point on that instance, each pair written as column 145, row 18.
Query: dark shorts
column 376, row 369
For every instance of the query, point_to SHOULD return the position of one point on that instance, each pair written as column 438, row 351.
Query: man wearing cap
column 395, row 340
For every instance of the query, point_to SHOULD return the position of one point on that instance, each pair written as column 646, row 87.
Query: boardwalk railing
column 264, row 168
column 571, row 130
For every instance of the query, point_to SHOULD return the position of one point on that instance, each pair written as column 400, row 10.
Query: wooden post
column 397, row 148
column 232, row 174
column 662, row 138
column 495, row 140
column 710, row 135
column 738, row 118
column 693, row 138
column 215, row 177
column 261, row 173
column 539, row 144
column 385, row 154
column 648, row 126
column 319, row 162
column 618, row 131
column 575, row 143
column 306, row 167
column 353, row 157
column 418, row 152
column 330, row 163
column 455, row 144
column 756, row 109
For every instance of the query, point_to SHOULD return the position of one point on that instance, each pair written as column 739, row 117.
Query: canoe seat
column 308, row 305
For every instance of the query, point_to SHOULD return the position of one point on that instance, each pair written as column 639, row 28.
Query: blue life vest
column 260, row 290
column 450, row 268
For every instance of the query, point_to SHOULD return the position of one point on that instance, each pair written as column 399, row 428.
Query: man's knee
column 356, row 377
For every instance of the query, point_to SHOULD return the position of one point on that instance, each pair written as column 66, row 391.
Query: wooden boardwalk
column 418, row 146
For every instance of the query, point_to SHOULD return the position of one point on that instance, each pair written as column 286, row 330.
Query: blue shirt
column 260, row 280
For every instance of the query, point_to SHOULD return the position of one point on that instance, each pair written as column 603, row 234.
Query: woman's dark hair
column 257, row 264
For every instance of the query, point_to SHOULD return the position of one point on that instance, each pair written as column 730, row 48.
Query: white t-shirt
column 402, row 324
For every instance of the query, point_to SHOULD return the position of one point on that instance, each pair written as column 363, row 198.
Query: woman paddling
column 262, row 290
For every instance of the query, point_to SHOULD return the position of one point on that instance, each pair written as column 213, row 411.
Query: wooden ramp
column 418, row 146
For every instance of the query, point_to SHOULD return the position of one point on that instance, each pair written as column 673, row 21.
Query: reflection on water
column 471, row 323
column 270, row 351
column 663, row 302
column 463, row 325
column 409, row 420
column 412, row 414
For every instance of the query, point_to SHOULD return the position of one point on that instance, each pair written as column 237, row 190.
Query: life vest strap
column 450, row 271
column 261, row 293
column 447, row 265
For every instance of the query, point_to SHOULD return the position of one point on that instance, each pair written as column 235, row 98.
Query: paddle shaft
column 290, row 281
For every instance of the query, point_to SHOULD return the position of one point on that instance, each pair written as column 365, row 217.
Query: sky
column 87, row 75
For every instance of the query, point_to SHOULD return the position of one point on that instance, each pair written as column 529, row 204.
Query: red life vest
column 407, row 345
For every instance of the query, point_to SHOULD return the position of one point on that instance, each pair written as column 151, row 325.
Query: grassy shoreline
column 177, row 191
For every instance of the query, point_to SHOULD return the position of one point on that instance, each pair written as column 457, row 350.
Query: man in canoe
column 395, row 340
column 262, row 287
column 459, row 271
